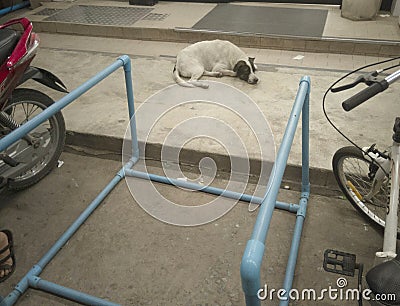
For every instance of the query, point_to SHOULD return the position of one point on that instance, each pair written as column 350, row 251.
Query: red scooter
column 28, row 160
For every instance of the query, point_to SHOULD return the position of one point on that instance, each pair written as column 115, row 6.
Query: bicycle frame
column 390, row 236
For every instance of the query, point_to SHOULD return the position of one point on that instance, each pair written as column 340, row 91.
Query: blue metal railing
column 14, row 7
column 254, row 252
column 31, row 279
column 250, row 268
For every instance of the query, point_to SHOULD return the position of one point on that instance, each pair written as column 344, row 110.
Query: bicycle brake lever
column 347, row 86
column 368, row 79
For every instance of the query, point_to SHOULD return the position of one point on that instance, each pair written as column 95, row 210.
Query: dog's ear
column 251, row 61
column 238, row 65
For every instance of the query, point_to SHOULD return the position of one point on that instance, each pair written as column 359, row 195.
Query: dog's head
column 245, row 70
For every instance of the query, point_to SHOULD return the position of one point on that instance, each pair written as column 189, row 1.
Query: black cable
column 391, row 67
column 340, row 79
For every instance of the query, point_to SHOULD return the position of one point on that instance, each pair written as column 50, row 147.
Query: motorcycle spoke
column 34, row 108
column 25, row 112
column 12, row 115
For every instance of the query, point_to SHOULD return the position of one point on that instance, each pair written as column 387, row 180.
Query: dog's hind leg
column 194, row 79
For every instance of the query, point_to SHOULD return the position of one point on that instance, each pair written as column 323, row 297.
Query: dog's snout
column 253, row 80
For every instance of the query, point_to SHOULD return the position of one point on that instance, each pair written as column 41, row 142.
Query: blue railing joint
column 294, row 208
column 303, row 206
column 33, row 281
column 291, row 206
column 121, row 173
column 126, row 62
column 301, row 213
column 36, row 270
column 132, row 161
column 305, row 195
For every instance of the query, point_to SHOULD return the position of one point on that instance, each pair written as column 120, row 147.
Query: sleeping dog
column 213, row 58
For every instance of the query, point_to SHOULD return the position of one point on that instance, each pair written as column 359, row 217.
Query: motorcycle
column 31, row 158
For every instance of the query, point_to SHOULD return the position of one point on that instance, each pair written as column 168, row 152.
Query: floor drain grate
column 47, row 12
column 155, row 16
column 102, row 15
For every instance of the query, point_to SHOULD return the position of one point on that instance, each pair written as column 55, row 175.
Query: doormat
column 264, row 20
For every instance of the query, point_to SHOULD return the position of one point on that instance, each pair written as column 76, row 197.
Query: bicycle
column 370, row 180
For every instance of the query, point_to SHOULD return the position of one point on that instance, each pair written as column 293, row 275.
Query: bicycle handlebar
column 369, row 92
column 364, row 95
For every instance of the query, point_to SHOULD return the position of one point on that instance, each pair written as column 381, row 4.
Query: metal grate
column 155, row 16
column 102, row 15
column 47, row 12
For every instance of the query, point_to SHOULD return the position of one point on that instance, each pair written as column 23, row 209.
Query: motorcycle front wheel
column 24, row 105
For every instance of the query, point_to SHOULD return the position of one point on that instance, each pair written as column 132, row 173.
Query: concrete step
column 383, row 48
column 176, row 22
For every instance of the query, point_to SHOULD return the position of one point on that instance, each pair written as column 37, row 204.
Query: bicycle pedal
column 339, row 262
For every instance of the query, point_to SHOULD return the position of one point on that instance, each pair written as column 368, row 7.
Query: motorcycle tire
column 32, row 102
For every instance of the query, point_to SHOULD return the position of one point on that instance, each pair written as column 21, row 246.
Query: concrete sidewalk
column 103, row 111
column 99, row 119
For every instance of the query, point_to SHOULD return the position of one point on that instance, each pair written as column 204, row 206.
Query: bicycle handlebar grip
column 364, row 95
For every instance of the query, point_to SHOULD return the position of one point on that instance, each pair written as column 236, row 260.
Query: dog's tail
column 191, row 83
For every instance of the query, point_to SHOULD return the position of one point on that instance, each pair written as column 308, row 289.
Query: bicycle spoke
column 356, row 171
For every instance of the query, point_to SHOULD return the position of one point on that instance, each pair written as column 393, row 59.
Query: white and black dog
column 213, row 58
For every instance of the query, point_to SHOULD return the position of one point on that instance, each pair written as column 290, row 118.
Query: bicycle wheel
column 354, row 175
column 25, row 104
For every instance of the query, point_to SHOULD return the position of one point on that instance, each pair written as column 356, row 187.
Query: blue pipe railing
column 208, row 189
column 251, row 262
column 31, row 278
column 254, row 252
column 14, row 7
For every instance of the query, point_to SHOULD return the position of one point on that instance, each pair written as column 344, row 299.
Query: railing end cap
column 306, row 79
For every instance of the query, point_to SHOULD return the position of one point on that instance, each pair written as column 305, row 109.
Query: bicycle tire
column 351, row 169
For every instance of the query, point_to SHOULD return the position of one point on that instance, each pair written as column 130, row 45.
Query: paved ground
column 124, row 255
